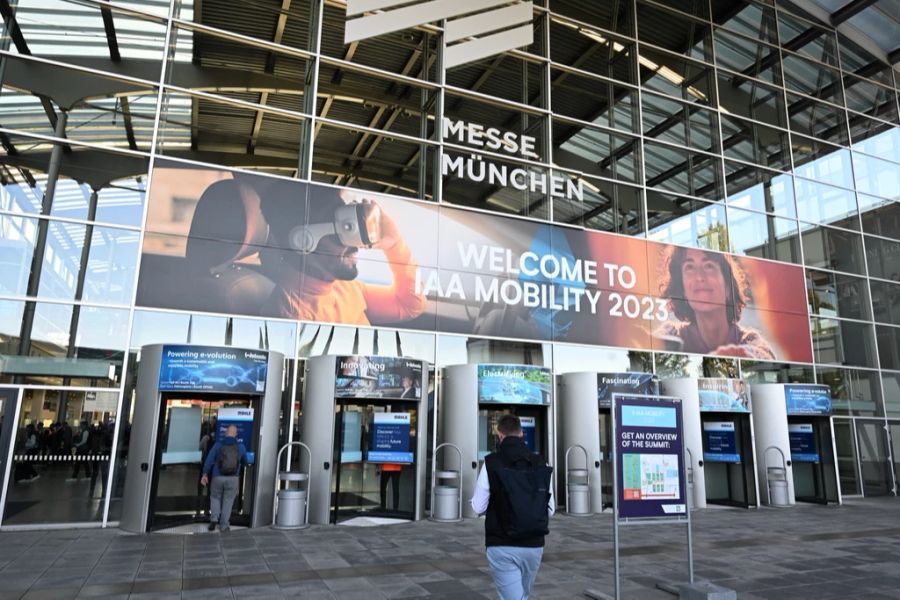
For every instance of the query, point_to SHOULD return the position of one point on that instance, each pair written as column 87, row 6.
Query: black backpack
column 526, row 493
column 229, row 459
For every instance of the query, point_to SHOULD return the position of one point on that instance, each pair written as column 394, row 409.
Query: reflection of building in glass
column 766, row 131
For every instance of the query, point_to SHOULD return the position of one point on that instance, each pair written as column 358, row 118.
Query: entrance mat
column 372, row 521
column 194, row 528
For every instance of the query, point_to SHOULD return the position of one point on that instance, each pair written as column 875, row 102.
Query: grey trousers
column 222, row 491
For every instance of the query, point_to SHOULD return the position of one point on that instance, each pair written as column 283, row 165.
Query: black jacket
column 509, row 450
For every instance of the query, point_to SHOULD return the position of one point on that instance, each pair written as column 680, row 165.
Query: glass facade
column 743, row 127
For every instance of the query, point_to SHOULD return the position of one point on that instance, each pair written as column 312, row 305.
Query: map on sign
column 650, row 476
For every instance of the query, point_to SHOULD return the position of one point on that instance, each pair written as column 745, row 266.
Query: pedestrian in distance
column 514, row 493
column 224, row 463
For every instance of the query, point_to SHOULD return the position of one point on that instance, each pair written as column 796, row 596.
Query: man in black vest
column 514, row 559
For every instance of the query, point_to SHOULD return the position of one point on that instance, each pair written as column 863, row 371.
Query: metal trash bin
column 291, row 509
column 446, row 487
column 778, row 487
column 446, row 503
column 579, row 499
column 578, row 485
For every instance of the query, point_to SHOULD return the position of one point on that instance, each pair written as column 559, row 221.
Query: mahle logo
column 474, row 30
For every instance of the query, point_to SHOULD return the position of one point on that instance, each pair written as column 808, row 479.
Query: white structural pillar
column 459, row 424
column 579, row 423
column 770, row 427
column 686, row 389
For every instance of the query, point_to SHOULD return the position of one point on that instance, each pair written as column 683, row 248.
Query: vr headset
column 357, row 225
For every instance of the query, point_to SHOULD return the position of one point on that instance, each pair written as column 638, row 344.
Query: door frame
column 882, row 425
column 11, row 426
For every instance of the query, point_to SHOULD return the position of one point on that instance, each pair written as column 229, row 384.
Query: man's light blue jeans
column 514, row 570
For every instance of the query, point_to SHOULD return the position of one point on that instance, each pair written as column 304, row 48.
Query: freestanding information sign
column 649, row 471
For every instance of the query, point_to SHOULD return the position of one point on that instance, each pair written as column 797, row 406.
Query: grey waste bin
column 778, row 487
column 579, row 499
column 446, row 503
column 291, row 509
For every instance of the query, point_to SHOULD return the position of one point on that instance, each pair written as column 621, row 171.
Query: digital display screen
column 720, row 442
column 803, row 442
column 514, row 384
column 390, row 441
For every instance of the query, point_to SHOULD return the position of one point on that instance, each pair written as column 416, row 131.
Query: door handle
column 327, row 465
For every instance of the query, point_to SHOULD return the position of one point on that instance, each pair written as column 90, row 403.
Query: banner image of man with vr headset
column 224, row 241
column 328, row 289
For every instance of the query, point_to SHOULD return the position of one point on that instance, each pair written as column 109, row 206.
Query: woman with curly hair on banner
column 707, row 292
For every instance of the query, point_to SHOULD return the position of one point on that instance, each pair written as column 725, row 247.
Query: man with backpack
column 224, row 462
column 515, row 492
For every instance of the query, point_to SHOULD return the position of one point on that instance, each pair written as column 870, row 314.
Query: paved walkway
column 816, row 552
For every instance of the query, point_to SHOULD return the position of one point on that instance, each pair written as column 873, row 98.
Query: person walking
column 514, row 493
column 224, row 463
column 82, row 448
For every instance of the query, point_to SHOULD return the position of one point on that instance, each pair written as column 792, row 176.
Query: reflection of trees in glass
column 672, row 365
column 720, row 367
column 538, row 376
column 715, row 237
column 641, row 362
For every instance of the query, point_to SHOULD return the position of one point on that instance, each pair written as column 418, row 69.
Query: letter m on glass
column 474, row 28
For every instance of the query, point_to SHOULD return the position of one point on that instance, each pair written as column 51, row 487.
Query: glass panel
column 880, row 216
column 894, row 429
column 596, row 151
column 834, row 295
column 378, row 163
column 828, row 248
column 380, row 103
column 673, row 31
column 683, row 172
column 590, row 50
column 753, row 20
column 607, row 206
column 747, row 57
column 874, row 463
column 752, row 99
column 235, row 69
column 812, row 78
column 17, row 238
column 817, row 119
column 853, row 392
column 819, row 203
column 886, row 302
column 680, row 123
column 868, row 98
column 759, row 189
column 597, row 101
column 75, row 32
column 61, row 458
column 820, row 161
column 252, row 19
column 891, row 383
column 763, row 236
column 468, row 122
column 861, row 62
column 233, row 123
column 876, row 177
column 615, row 15
column 755, row 143
column 802, row 36
column 678, row 365
column 883, row 258
column 687, row 222
column 677, row 77
column 875, row 137
column 845, row 447
column 888, row 346
column 843, row 342
column 510, row 78
column 764, row 372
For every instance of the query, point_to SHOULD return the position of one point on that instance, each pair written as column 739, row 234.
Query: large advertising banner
column 212, row 369
column 639, row 384
column 514, row 384
column 807, row 399
column 222, row 241
column 649, row 457
column 378, row 377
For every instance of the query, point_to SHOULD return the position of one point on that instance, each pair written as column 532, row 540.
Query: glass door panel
column 845, row 448
column 894, row 429
column 187, row 433
column 873, row 458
